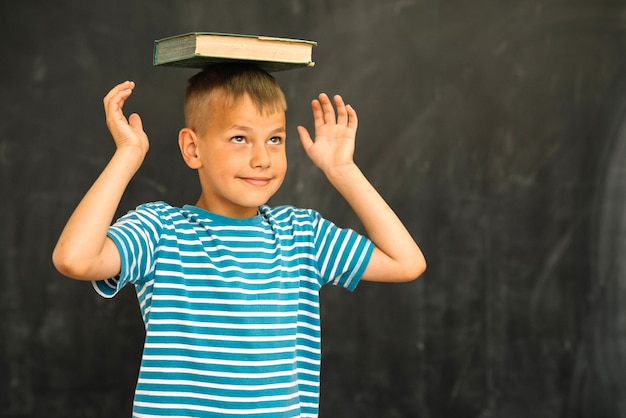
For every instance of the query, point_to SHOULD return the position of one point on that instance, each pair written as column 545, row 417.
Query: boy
column 228, row 288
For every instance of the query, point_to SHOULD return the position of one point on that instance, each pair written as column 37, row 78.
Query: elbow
column 61, row 262
column 412, row 270
column 420, row 265
column 421, row 269
column 414, row 265
column 68, row 264
column 415, row 270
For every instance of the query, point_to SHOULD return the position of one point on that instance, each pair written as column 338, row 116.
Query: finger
column 305, row 138
column 353, row 120
column 114, row 101
column 342, row 114
column 327, row 107
column 126, row 85
column 318, row 113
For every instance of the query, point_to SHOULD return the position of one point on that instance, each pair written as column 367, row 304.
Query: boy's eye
column 275, row 140
column 238, row 139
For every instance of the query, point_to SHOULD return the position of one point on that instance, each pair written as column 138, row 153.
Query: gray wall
column 495, row 129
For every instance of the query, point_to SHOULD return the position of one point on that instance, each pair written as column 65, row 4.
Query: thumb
column 135, row 121
column 305, row 138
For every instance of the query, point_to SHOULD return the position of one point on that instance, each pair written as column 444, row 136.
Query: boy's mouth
column 257, row 181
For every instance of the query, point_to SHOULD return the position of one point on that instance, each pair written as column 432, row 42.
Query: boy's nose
column 260, row 157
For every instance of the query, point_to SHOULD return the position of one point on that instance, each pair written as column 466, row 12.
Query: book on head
column 199, row 49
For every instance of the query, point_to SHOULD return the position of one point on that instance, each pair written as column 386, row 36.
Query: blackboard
column 496, row 130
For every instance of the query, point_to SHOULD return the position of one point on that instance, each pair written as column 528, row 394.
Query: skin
column 240, row 158
column 241, row 163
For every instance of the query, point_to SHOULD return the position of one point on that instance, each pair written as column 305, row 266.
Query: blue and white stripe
column 231, row 306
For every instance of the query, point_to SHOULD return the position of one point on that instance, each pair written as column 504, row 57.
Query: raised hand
column 396, row 256
column 84, row 251
column 333, row 146
column 126, row 133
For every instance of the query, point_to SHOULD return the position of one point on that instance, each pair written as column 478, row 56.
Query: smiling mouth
column 257, row 181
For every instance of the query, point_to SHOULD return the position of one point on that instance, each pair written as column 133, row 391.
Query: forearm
column 396, row 256
column 80, row 251
column 401, row 258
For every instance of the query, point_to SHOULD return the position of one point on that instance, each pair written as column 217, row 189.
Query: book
column 199, row 49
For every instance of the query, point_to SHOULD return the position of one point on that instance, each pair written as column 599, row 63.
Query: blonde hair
column 230, row 82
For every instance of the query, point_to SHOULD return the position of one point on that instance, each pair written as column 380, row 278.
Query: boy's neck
column 229, row 212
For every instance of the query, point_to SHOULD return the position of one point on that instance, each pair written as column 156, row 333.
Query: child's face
column 243, row 158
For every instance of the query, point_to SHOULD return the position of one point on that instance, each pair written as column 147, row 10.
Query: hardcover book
column 199, row 49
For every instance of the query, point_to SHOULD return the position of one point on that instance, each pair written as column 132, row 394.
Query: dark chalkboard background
column 497, row 130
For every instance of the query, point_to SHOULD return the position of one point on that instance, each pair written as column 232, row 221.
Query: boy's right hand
column 128, row 134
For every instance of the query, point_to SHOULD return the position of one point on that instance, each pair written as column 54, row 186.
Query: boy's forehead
column 223, row 101
column 227, row 112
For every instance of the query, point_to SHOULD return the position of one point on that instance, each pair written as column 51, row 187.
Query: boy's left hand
column 396, row 256
column 333, row 146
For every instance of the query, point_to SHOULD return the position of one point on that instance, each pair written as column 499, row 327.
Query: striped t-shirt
column 231, row 306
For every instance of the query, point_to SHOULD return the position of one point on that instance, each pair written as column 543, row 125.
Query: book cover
column 199, row 49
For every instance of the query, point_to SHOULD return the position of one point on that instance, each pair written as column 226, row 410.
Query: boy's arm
column 84, row 251
column 396, row 257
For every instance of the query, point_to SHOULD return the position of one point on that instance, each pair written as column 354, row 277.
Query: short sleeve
column 342, row 254
column 136, row 236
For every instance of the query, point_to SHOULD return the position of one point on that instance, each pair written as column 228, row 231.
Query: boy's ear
column 188, row 144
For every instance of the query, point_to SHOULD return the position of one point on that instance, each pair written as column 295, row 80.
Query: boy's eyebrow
column 248, row 128
column 279, row 130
